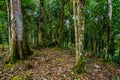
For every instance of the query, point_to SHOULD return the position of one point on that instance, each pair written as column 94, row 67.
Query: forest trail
column 51, row 64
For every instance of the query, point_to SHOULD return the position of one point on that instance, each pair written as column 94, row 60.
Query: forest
column 59, row 39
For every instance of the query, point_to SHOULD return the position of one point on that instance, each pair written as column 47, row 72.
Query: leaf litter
column 50, row 64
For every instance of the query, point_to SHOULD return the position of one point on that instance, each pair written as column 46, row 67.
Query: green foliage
column 25, row 77
column 15, row 78
column 118, row 78
column 2, row 13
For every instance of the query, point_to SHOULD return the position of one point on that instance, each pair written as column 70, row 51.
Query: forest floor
column 51, row 64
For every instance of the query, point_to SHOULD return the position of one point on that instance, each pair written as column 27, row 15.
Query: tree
column 8, row 22
column 61, row 25
column 108, row 28
column 19, row 47
column 41, row 24
column 79, row 7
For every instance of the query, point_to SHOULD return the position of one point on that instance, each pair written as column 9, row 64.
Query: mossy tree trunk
column 8, row 22
column 69, row 27
column 61, row 26
column 79, row 6
column 108, row 28
column 50, row 18
column 19, row 47
column 3, row 48
column 41, row 24
column 76, row 28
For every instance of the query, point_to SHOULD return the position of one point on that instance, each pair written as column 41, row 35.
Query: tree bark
column 50, row 18
column 41, row 24
column 108, row 27
column 8, row 22
column 61, row 25
column 70, row 37
column 3, row 48
column 19, row 46
column 81, row 27
column 76, row 28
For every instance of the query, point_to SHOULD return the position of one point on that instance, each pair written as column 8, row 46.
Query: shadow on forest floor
column 50, row 64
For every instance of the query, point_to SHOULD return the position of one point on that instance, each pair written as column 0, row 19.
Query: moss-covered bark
column 76, row 27
column 41, row 39
column 61, row 26
column 108, row 28
column 78, row 7
column 19, row 49
column 14, row 56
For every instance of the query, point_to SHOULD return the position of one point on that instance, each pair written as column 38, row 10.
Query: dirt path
column 50, row 64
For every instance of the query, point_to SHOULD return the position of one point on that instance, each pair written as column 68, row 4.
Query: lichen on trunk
column 19, row 47
column 14, row 56
column 78, row 7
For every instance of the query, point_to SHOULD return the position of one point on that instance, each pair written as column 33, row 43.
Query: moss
column 27, row 76
column 79, row 68
column 15, row 78
column 14, row 56
column 19, row 51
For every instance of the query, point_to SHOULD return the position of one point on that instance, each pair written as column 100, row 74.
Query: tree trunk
column 76, row 28
column 70, row 36
column 8, row 23
column 3, row 40
column 98, row 42
column 19, row 46
column 108, row 27
column 41, row 24
column 61, row 25
column 78, row 7
column 80, row 28
column 50, row 18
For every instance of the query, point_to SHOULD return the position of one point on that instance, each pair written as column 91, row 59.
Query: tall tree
column 41, row 23
column 76, row 27
column 108, row 27
column 61, row 25
column 50, row 17
column 19, row 47
column 8, row 22
column 79, row 6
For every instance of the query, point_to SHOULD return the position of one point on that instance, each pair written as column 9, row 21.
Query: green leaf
column 2, row 13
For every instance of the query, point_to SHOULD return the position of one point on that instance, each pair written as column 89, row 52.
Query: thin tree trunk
column 78, row 7
column 61, row 25
column 70, row 41
column 98, row 42
column 41, row 24
column 81, row 27
column 8, row 23
column 50, row 17
column 76, row 28
column 108, row 27
column 3, row 39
